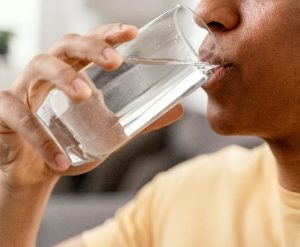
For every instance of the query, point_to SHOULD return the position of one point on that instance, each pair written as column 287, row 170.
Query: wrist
column 26, row 171
column 15, row 185
column 21, row 211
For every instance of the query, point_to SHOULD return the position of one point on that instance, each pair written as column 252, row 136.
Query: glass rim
column 188, row 9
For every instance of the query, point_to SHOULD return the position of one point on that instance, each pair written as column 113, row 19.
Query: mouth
column 216, row 78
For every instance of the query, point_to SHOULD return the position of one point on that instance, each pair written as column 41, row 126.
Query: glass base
column 62, row 136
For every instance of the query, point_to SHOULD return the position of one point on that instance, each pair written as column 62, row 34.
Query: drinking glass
column 172, row 56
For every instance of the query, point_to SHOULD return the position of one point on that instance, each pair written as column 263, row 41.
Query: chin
column 224, row 122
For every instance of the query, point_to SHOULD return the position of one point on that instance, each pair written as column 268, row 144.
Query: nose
column 219, row 15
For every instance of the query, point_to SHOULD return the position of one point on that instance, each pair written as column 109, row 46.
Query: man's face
column 258, row 93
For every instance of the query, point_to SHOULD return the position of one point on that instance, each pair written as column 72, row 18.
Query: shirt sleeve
column 143, row 221
column 172, row 200
column 131, row 226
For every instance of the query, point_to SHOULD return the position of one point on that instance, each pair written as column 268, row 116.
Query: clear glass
column 172, row 56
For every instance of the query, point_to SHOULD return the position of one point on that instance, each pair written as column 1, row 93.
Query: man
column 235, row 197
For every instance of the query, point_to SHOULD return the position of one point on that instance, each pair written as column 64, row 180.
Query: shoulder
column 233, row 158
column 234, row 165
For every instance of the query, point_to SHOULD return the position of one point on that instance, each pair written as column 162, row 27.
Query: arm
column 30, row 161
column 21, row 210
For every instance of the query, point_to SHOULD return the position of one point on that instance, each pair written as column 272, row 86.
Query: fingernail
column 61, row 161
column 123, row 26
column 80, row 87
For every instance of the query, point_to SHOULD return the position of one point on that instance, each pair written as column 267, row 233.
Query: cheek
column 247, row 104
column 270, row 38
column 262, row 92
column 268, row 51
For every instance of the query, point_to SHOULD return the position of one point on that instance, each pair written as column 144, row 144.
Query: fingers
column 59, row 68
column 115, row 33
column 88, row 49
column 73, row 52
column 47, row 68
column 24, row 123
column 95, row 47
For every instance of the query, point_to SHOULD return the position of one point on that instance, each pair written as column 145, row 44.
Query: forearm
column 21, row 211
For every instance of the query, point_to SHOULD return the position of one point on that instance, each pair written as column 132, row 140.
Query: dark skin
column 31, row 163
column 58, row 68
column 258, row 93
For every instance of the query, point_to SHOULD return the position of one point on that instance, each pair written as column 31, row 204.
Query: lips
column 211, row 53
column 215, row 81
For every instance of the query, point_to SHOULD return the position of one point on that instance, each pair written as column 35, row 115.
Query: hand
column 28, row 155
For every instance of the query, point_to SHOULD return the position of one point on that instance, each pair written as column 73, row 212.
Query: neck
column 287, row 155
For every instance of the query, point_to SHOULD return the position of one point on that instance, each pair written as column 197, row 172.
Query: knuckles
column 69, row 37
column 38, row 60
column 26, row 121
column 66, row 73
column 6, row 99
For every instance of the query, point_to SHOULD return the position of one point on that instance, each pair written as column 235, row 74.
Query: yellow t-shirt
column 229, row 198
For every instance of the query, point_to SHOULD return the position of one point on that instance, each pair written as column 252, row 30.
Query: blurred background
column 79, row 203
